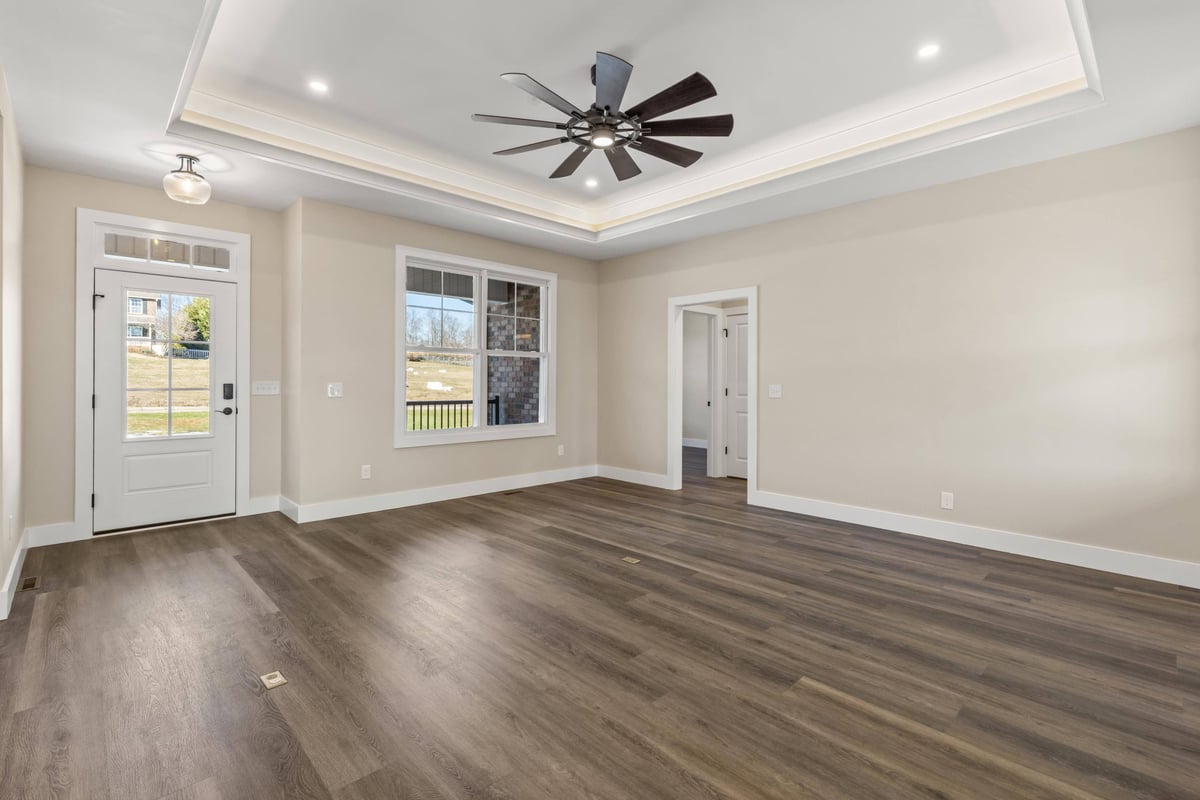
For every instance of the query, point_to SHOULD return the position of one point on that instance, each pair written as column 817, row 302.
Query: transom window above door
column 475, row 356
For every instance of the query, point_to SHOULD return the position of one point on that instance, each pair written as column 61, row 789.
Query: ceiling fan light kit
column 605, row 127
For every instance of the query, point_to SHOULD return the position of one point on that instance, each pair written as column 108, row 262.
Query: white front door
column 165, row 400
column 737, row 404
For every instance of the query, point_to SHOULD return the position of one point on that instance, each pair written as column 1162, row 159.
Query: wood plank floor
column 499, row 647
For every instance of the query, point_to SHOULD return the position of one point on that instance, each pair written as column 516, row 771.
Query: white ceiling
column 831, row 104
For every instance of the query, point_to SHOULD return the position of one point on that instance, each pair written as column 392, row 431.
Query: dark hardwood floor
column 499, row 647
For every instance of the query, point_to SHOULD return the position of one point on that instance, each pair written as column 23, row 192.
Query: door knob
column 227, row 411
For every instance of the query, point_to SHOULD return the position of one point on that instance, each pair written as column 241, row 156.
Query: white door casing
column 164, row 451
column 737, row 405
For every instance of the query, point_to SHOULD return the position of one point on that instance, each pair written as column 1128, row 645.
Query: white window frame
column 482, row 271
column 141, row 301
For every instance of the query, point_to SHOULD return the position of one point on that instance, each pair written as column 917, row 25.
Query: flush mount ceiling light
column 605, row 127
column 318, row 87
column 185, row 185
column 591, row 183
column 928, row 51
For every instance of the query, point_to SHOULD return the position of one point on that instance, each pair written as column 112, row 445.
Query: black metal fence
column 428, row 415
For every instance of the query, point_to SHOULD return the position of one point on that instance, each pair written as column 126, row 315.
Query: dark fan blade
column 622, row 163
column 572, row 163
column 523, row 81
column 668, row 152
column 612, row 76
column 525, row 148
column 693, row 126
column 690, row 90
column 533, row 123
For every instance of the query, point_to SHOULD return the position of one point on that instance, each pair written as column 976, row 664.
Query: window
column 167, row 252
column 137, row 332
column 137, row 305
column 475, row 356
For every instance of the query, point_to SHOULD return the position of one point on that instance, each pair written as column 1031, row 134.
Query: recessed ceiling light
column 591, row 183
column 318, row 87
column 928, row 51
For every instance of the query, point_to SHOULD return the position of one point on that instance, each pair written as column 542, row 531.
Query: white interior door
column 737, row 404
column 165, row 400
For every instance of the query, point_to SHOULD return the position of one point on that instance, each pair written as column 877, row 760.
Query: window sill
column 497, row 433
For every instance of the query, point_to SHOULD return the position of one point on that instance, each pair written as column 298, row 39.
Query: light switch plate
column 948, row 501
column 335, row 390
column 774, row 391
column 264, row 387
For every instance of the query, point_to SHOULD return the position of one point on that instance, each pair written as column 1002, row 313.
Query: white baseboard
column 1137, row 565
column 57, row 533
column 13, row 577
column 289, row 508
column 654, row 479
column 701, row 443
column 260, row 505
column 330, row 509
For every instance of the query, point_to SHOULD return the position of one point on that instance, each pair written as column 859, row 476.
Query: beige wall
column 12, row 514
column 51, row 199
column 346, row 297
column 1029, row 340
column 695, row 375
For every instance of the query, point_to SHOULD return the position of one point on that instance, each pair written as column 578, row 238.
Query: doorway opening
column 711, row 393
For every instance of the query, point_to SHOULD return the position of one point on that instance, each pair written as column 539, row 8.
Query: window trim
column 481, row 270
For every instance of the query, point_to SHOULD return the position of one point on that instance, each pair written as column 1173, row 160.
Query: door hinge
column 94, row 298
column 726, row 452
column 726, row 332
column 93, row 402
column 94, row 496
column 727, row 391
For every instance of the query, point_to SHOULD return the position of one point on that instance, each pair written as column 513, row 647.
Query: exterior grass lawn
column 154, row 423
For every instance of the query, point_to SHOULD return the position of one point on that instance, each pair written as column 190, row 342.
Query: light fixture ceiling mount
column 185, row 185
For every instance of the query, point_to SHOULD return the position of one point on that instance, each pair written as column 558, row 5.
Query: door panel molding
column 90, row 230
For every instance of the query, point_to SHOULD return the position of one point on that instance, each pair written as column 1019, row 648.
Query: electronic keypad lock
column 227, row 391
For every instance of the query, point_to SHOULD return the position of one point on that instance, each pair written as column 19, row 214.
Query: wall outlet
column 334, row 390
column 948, row 501
column 562, row 450
column 264, row 387
column 366, row 471
column 774, row 391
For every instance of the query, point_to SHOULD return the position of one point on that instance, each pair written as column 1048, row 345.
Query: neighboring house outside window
column 475, row 356
column 137, row 332
column 137, row 305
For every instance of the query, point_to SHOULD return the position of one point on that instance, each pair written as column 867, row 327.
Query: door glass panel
column 169, row 252
column 210, row 257
column 122, row 246
column 189, row 412
column 168, row 373
column 147, row 413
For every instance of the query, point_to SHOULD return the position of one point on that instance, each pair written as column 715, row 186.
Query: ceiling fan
column 605, row 127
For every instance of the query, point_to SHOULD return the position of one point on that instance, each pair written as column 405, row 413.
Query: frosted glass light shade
column 186, row 185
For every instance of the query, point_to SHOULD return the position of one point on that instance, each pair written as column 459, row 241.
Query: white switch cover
column 366, row 471
column 775, row 391
column 562, row 450
column 335, row 390
column 948, row 501
column 264, row 387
